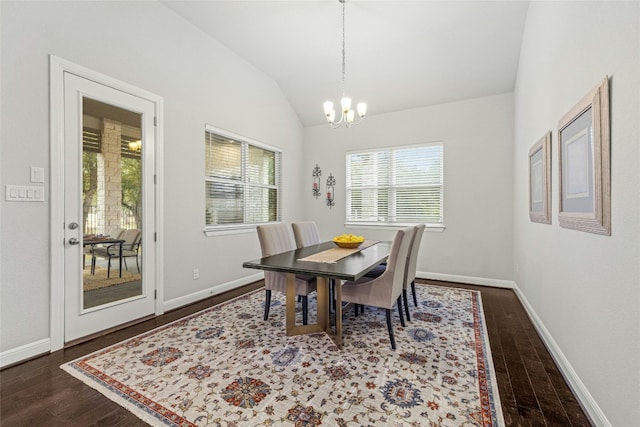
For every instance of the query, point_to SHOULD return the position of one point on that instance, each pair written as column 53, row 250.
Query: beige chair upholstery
column 130, row 248
column 114, row 232
column 275, row 239
column 306, row 233
column 385, row 290
column 413, row 265
column 410, row 271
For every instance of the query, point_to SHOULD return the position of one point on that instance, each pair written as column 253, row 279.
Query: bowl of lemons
column 349, row 241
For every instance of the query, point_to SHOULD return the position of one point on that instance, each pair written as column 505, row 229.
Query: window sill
column 431, row 228
column 225, row 231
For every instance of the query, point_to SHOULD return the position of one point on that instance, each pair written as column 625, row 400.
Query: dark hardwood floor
column 532, row 390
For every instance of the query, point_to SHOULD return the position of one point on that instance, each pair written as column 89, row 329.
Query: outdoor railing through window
column 128, row 220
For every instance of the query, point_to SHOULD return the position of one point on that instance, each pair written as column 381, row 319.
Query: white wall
column 478, row 192
column 585, row 288
column 147, row 45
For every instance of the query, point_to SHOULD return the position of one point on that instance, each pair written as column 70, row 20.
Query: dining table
column 92, row 240
column 321, row 261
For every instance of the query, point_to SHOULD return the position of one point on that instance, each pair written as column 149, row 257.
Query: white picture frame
column 584, row 163
column 540, row 180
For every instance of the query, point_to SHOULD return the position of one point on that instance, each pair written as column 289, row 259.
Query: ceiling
column 400, row 54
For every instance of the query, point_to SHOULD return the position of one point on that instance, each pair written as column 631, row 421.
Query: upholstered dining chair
column 275, row 239
column 385, row 290
column 306, row 233
column 129, row 249
column 410, row 272
column 413, row 264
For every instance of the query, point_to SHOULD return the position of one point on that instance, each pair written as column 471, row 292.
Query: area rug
column 226, row 366
column 100, row 280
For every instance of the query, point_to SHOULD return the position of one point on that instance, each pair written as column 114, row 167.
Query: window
column 242, row 181
column 396, row 186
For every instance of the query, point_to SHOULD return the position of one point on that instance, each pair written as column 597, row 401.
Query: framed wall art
column 540, row 180
column 584, row 161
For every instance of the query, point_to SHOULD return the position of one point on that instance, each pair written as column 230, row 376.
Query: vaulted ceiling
column 399, row 54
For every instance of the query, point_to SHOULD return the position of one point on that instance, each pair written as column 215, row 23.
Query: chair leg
column 413, row 290
column 391, row 338
column 406, row 304
column 138, row 265
column 267, row 303
column 400, row 311
column 305, row 309
column 356, row 309
column 93, row 264
column 109, row 267
column 126, row 267
column 333, row 291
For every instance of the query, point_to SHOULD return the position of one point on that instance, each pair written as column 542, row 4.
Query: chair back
column 412, row 263
column 114, row 232
column 275, row 238
column 393, row 277
column 306, row 233
column 131, row 239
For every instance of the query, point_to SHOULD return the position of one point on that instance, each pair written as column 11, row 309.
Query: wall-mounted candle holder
column 316, row 174
column 331, row 182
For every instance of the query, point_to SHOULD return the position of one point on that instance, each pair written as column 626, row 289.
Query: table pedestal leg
column 322, row 289
column 322, row 323
column 338, row 292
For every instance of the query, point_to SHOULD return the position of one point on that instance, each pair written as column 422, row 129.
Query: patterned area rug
column 225, row 366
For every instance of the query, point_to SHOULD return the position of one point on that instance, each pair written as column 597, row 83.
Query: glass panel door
column 111, row 203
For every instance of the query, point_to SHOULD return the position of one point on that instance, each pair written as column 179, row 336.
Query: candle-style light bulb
column 346, row 104
column 362, row 109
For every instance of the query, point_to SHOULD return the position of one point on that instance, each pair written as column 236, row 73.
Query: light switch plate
column 24, row 193
column 37, row 174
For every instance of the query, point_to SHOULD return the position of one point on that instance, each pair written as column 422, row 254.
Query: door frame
column 57, row 68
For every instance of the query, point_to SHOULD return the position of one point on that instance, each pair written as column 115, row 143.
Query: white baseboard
column 214, row 290
column 588, row 403
column 25, row 352
column 469, row 280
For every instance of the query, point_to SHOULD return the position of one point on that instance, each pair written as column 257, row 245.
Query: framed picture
column 584, row 160
column 540, row 180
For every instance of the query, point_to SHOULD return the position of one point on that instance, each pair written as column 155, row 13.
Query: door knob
column 74, row 241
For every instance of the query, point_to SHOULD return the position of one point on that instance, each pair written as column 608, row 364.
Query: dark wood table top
column 351, row 267
column 100, row 240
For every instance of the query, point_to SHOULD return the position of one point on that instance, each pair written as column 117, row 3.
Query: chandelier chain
column 344, row 51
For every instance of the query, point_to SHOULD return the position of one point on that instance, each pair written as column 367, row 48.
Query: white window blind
column 399, row 185
column 242, row 181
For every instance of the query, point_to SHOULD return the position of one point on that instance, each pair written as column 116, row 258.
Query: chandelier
column 347, row 115
column 135, row 145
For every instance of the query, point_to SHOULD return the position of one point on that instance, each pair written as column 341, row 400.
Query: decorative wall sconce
column 331, row 182
column 317, row 173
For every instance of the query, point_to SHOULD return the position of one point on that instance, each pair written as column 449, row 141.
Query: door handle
column 74, row 241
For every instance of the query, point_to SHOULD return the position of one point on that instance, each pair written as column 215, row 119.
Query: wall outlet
column 196, row 274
